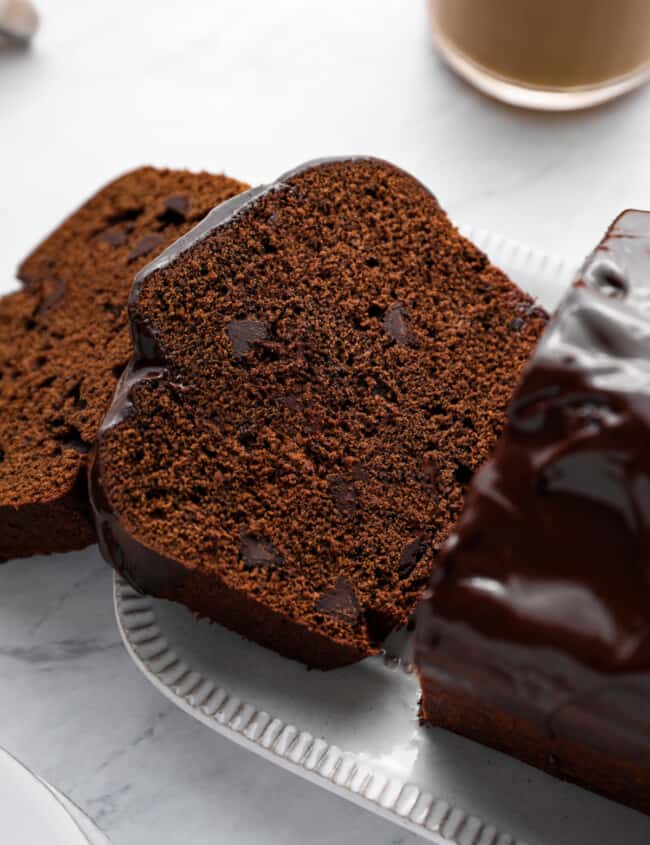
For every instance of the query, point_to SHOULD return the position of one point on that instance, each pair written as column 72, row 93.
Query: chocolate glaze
column 542, row 604
column 128, row 556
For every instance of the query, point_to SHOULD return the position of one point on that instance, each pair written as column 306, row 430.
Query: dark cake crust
column 535, row 636
column 211, row 597
column 291, row 440
column 64, row 341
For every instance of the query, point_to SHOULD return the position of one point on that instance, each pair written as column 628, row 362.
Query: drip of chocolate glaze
column 542, row 601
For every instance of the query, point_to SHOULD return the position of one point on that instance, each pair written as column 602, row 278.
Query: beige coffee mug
column 552, row 54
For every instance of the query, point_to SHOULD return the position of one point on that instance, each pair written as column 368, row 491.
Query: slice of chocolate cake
column 535, row 636
column 319, row 367
column 64, row 341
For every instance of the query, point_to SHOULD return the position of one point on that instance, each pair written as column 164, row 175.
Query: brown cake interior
column 329, row 367
column 64, row 342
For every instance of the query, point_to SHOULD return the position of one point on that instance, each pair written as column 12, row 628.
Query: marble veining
column 78, row 713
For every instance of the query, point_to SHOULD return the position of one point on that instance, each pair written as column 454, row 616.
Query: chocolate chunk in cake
column 340, row 602
column 535, row 637
column 64, row 339
column 256, row 551
column 303, row 357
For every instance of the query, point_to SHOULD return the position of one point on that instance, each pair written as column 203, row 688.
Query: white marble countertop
column 250, row 88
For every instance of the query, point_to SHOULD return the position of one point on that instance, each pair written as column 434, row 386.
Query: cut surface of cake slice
column 319, row 367
column 64, row 341
column 535, row 635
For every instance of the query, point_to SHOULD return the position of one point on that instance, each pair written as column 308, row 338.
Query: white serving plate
column 355, row 731
column 94, row 836
column 34, row 813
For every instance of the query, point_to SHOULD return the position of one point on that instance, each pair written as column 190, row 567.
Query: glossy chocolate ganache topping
column 546, row 580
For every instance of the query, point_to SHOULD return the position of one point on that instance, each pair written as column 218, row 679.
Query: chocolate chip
column 115, row 236
column 290, row 401
column 144, row 246
column 52, row 291
column 340, row 602
column 176, row 209
column 411, row 554
column 127, row 215
column 359, row 473
column 397, row 324
column 515, row 324
column 342, row 492
column 244, row 333
column 179, row 204
column 258, row 552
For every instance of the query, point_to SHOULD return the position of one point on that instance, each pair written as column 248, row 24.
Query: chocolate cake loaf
column 535, row 636
column 64, row 341
column 319, row 367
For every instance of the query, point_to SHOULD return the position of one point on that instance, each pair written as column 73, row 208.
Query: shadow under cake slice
column 319, row 368
column 64, row 341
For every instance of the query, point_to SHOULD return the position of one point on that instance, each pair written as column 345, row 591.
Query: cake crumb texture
column 327, row 369
column 64, row 342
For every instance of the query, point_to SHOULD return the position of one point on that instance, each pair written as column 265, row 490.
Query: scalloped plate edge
column 328, row 766
column 514, row 257
column 298, row 751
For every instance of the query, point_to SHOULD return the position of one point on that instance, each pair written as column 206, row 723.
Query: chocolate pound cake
column 535, row 636
column 64, row 341
column 319, row 367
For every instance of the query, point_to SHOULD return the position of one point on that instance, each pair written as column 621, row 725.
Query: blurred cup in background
column 546, row 54
column 18, row 21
